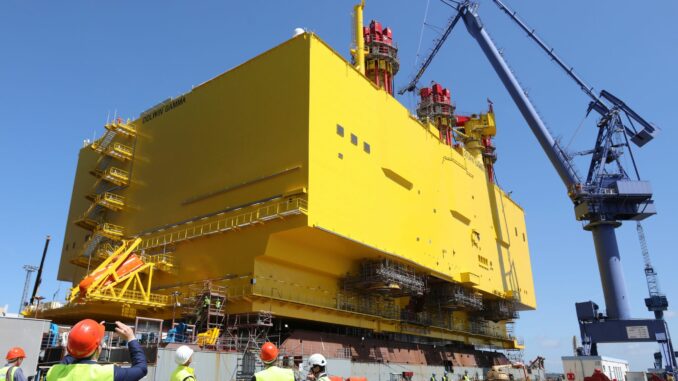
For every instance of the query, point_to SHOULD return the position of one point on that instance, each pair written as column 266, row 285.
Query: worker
column 12, row 371
column 433, row 377
column 271, row 372
column 84, row 347
column 445, row 377
column 317, row 365
column 217, row 304
column 206, row 303
column 466, row 376
column 183, row 357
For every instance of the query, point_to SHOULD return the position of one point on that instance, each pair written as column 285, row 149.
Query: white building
column 578, row 367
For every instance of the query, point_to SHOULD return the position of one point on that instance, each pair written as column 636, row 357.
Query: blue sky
column 67, row 65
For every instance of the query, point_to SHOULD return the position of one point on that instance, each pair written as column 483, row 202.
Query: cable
column 567, row 147
column 421, row 33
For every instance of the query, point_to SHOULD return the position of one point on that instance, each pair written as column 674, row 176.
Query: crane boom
column 439, row 43
column 657, row 301
column 650, row 274
column 551, row 53
column 608, row 112
column 555, row 153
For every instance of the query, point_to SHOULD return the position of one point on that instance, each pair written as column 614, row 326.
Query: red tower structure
column 436, row 105
column 381, row 56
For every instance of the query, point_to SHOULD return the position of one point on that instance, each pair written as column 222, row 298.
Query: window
column 354, row 140
column 340, row 130
column 366, row 147
column 341, row 155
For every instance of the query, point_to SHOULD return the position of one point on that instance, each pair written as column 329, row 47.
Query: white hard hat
column 183, row 354
column 316, row 359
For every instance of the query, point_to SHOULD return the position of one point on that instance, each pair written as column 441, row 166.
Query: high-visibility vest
column 273, row 373
column 7, row 373
column 183, row 373
column 433, row 378
column 77, row 372
column 444, row 378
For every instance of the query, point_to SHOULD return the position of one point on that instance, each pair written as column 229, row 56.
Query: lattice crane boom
column 438, row 44
column 657, row 301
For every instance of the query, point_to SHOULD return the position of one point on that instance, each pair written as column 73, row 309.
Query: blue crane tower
column 605, row 197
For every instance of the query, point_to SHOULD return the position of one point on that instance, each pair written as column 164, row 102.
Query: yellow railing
column 113, row 175
column 131, row 297
column 120, row 151
column 163, row 262
column 126, row 128
column 110, row 230
column 188, row 231
column 110, row 200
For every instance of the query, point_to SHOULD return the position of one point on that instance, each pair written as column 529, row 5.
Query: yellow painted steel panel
column 381, row 178
column 299, row 122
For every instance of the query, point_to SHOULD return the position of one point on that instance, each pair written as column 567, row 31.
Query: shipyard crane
column 605, row 197
column 656, row 302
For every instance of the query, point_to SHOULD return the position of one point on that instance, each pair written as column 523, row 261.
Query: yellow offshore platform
column 297, row 184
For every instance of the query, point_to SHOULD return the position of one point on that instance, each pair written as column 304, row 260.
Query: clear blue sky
column 67, row 65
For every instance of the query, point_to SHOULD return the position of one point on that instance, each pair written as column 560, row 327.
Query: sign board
column 637, row 332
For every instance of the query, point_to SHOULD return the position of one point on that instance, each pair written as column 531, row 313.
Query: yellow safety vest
column 273, row 373
column 182, row 373
column 78, row 372
column 5, row 370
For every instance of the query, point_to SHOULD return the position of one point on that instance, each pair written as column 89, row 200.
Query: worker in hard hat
column 271, row 372
column 183, row 357
column 12, row 371
column 84, row 347
column 433, row 377
column 445, row 378
column 317, row 365
column 466, row 378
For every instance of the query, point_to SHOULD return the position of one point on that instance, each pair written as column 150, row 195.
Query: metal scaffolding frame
column 452, row 296
column 387, row 277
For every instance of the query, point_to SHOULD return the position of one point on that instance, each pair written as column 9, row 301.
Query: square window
column 341, row 155
column 366, row 147
column 340, row 130
column 354, row 140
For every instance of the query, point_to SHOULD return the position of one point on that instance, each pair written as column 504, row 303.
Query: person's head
column 84, row 339
column 183, row 355
column 317, row 363
column 15, row 356
column 269, row 353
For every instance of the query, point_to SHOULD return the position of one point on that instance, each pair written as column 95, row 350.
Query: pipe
column 359, row 52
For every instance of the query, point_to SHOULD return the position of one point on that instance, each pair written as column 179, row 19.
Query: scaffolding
column 370, row 304
column 205, row 308
column 453, row 297
column 499, row 310
column 247, row 332
column 386, row 277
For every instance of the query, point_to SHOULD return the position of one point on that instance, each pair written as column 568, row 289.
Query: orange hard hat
column 84, row 338
column 269, row 352
column 15, row 353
